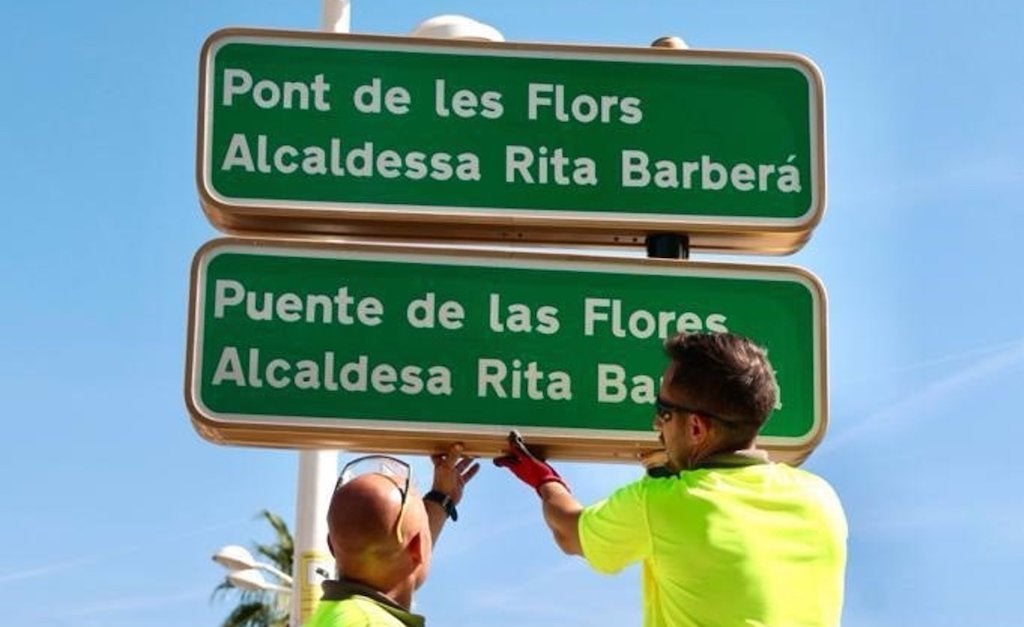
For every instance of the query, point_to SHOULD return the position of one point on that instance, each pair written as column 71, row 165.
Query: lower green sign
column 380, row 347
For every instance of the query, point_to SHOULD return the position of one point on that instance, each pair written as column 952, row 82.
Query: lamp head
column 234, row 557
column 250, row 579
column 456, row 27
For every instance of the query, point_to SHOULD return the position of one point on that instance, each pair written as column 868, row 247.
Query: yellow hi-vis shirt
column 350, row 604
column 738, row 541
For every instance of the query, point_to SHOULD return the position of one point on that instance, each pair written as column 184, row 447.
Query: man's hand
column 532, row 471
column 452, row 471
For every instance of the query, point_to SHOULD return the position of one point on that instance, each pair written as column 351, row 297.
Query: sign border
column 481, row 440
column 748, row 234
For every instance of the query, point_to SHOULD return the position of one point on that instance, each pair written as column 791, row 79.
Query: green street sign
column 317, row 132
column 382, row 347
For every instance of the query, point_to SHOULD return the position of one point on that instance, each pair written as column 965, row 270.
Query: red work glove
column 532, row 471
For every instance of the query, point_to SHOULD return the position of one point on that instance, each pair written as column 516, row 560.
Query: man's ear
column 330, row 547
column 414, row 549
column 699, row 428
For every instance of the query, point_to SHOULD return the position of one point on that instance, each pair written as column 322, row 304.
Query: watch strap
column 444, row 501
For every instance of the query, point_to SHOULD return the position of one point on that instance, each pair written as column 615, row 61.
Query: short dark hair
column 727, row 375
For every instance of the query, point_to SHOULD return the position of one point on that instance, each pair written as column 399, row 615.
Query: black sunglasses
column 664, row 409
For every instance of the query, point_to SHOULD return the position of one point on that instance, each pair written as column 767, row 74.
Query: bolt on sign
column 319, row 132
column 380, row 347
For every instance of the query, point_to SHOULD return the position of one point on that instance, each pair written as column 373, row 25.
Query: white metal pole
column 317, row 473
column 336, row 16
column 318, row 470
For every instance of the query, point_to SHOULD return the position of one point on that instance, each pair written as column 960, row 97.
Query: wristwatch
column 444, row 501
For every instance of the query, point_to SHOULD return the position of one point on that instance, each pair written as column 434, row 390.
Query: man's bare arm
column 452, row 471
column 562, row 514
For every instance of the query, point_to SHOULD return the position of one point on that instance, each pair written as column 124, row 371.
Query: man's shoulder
column 813, row 491
column 804, row 477
column 354, row 611
column 348, row 603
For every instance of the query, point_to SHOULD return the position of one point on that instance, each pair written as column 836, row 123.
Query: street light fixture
column 252, row 579
column 238, row 559
column 234, row 557
column 456, row 27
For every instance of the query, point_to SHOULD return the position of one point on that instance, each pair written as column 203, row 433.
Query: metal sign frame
column 482, row 440
column 620, row 227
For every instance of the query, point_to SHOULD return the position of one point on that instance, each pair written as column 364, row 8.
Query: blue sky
column 112, row 504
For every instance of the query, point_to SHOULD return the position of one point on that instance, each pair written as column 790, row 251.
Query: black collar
column 341, row 589
column 735, row 459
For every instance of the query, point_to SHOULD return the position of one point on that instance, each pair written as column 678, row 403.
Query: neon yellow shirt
column 348, row 604
column 739, row 541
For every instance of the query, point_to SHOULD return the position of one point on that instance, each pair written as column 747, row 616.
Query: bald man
column 381, row 561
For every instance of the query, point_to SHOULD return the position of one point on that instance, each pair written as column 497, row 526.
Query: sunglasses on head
column 393, row 468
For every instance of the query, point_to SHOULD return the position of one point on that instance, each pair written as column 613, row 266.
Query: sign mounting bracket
column 668, row 246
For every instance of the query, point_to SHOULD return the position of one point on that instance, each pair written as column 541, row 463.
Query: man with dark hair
column 382, row 534
column 729, row 537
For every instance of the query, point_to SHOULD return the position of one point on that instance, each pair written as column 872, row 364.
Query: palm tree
column 262, row 609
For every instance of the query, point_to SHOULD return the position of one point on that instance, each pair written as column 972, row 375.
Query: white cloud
column 484, row 535
column 552, row 596
column 942, row 360
column 105, row 558
column 917, row 404
column 988, row 172
column 126, row 604
column 41, row 571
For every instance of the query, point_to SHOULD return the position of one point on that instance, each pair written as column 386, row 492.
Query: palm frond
column 222, row 589
column 256, row 608
column 251, row 615
column 282, row 550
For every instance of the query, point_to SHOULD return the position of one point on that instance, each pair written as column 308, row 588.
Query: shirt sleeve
column 614, row 532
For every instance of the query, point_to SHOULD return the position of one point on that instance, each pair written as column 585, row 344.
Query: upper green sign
column 345, row 133
column 380, row 347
